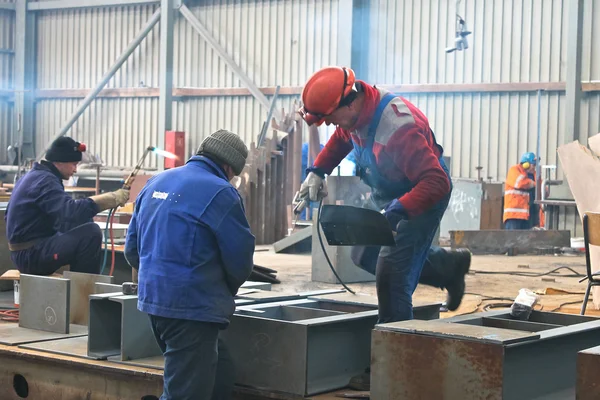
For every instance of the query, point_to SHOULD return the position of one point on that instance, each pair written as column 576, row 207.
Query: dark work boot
column 446, row 270
column 456, row 284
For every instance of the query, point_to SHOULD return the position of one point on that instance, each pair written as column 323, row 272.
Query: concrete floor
column 294, row 271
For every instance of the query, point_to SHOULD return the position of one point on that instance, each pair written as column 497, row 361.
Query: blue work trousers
column 197, row 364
column 398, row 269
column 517, row 224
column 80, row 248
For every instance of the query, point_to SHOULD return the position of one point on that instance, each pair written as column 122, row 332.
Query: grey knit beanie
column 226, row 147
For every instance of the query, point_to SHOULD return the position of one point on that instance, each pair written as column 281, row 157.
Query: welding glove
column 314, row 187
column 115, row 199
column 395, row 213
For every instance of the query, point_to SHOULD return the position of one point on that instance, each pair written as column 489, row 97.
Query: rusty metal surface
column 417, row 367
column 460, row 331
column 50, row 376
column 588, row 374
column 82, row 285
column 500, row 241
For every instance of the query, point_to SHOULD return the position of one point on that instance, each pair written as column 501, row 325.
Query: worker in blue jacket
column 39, row 210
column 191, row 243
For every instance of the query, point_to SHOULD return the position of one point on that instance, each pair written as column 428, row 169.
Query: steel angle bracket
column 118, row 330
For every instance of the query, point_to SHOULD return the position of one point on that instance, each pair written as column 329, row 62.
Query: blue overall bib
column 397, row 269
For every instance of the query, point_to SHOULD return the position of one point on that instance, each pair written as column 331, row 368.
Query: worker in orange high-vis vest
column 517, row 192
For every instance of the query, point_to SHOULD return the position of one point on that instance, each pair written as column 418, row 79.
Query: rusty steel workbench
column 43, row 375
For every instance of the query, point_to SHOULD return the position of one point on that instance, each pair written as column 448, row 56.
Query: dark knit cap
column 65, row 149
column 225, row 147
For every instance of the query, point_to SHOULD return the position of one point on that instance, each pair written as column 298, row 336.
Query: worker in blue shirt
column 191, row 243
column 39, row 210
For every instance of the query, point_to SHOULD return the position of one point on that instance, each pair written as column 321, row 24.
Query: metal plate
column 267, row 295
column 415, row 366
column 82, row 286
column 101, row 288
column 588, row 370
column 104, row 338
column 12, row 334
column 44, row 303
column 501, row 241
column 137, row 338
column 348, row 298
column 355, row 226
column 157, row 362
column 459, row 331
column 118, row 328
column 282, row 346
column 256, row 285
column 75, row 346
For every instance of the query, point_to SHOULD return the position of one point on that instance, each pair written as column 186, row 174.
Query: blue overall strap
column 377, row 117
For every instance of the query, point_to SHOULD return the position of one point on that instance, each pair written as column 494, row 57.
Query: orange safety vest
column 516, row 196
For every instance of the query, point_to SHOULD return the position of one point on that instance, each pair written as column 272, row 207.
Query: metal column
column 25, row 48
column 111, row 72
column 574, row 45
column 360, row 38
column 165, row 99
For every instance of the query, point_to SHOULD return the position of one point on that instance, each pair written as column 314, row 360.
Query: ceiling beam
column 7, row 6
column 69, row 4
column 47, row 94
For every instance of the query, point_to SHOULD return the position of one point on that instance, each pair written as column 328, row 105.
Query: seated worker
column 39, row 206
column 517, row 193
column 191, row 243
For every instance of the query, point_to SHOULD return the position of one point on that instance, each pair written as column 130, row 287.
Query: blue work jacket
column 191, row 242
column 40, row 208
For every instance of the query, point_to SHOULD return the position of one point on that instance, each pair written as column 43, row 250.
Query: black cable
column 531, row 274
column 325, row 250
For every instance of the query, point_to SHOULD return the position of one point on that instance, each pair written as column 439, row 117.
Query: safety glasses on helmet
column 318, row 118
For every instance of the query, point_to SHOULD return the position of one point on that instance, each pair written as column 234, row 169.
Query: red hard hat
column 324, row 91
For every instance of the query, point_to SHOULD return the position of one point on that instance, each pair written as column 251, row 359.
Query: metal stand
column 487, row 355
column 303, row 347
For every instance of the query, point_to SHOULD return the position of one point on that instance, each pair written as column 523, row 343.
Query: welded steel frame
column 118, row 331
column 474, row 357
column 302, row 347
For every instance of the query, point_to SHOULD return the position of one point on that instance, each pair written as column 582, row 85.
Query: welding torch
column 138, row 166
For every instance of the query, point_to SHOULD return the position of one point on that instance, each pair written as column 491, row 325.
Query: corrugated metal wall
column 281, row 42
column 512, row 41
column 275, row 42
column 7, row 40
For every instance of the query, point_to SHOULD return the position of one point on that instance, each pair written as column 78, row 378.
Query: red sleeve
column 411, row 153
column 337, row 148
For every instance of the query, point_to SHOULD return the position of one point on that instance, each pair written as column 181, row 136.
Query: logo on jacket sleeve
column 160, row 195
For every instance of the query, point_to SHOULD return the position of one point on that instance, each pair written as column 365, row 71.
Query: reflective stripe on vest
column 516, row 201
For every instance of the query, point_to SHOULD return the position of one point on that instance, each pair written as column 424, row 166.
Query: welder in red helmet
column 398, row 157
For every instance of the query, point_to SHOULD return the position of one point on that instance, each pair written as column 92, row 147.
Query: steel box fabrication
column 487, row 355
column 306, row 346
